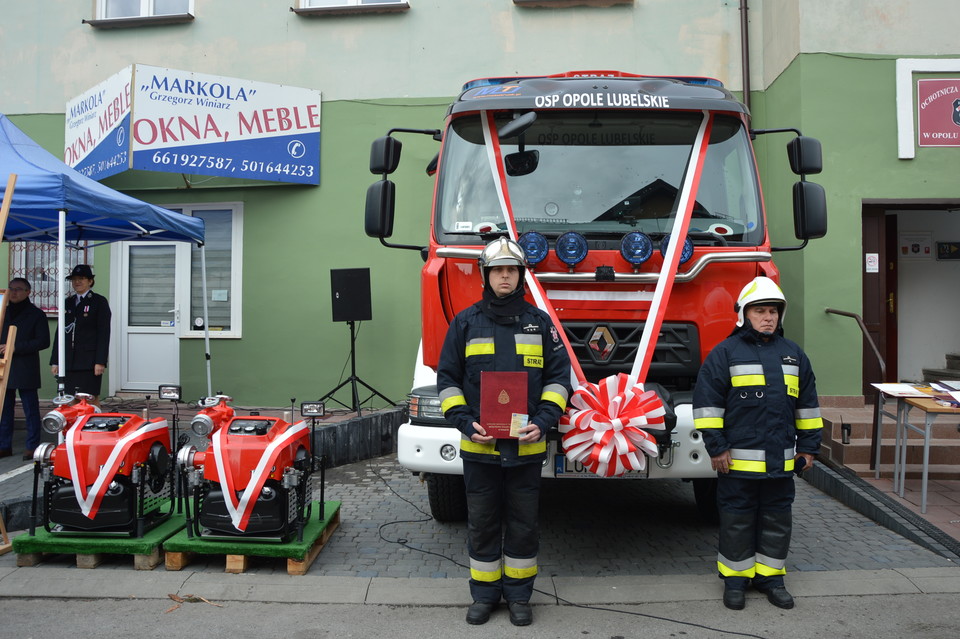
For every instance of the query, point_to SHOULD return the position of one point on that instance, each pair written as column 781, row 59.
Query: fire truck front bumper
column 429, row 449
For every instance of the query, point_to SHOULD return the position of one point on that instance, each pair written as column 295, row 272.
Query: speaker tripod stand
column 353, row 380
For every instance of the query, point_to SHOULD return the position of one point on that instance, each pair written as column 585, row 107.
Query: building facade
column 847, row 73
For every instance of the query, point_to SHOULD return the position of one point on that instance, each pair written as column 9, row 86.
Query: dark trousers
column 755, row 527
column 503, row 533
column 30, row 399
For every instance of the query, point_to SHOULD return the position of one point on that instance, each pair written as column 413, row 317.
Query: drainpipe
column 745, row 52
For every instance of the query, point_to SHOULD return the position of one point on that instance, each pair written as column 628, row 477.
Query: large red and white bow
column 604, row 426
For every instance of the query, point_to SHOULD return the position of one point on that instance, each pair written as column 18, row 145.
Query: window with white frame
column 113, row 9
column 342, row 7
column 36, row 262
column 223, row 248
column 345, row 3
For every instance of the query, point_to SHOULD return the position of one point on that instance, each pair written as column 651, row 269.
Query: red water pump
column 252, row 481
column 111, row 473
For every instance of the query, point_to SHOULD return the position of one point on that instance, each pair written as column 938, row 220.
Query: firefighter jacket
column 530, row 343
column 757, row 398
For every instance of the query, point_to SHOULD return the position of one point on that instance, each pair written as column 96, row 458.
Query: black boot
column 479, row 612
column 521, row 614
column 779, row 597
column 734, row 598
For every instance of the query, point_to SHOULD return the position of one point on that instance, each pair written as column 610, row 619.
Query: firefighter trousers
column 503, row 532
column 755, row 527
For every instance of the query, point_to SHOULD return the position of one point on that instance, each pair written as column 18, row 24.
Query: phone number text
column 196, row 161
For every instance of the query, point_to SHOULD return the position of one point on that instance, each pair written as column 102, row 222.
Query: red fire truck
column 589, row 170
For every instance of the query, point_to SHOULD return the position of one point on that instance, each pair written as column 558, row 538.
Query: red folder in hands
column 503, row 403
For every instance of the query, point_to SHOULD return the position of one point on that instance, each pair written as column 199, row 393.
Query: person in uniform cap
column 502, row 332
column 86, row 336
column 755, row 405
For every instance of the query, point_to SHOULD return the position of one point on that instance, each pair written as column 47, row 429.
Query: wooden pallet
column 91, row 551
column 140, row 561
column 180, row 550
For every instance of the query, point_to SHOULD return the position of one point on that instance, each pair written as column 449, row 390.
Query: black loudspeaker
column 350, row 294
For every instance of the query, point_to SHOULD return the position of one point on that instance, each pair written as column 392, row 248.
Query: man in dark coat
column 87, row 336
column 33, row 335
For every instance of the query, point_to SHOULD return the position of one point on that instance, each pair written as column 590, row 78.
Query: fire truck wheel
column 705, row 494
column 448, row 498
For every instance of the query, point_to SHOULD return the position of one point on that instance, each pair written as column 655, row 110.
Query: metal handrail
column 878, row 404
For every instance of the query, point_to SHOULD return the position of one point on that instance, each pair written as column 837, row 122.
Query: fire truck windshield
column 601, row 173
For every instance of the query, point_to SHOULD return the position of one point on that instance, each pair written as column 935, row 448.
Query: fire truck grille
column 605, row 349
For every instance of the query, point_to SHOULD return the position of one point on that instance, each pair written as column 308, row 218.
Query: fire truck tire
column 705, row 494
column 448, row 498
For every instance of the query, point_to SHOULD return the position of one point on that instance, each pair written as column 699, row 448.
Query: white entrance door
column 149, row 350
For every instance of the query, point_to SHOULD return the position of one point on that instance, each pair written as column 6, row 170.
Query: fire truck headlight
column 448, row 452
column 571, row 248
column 636, row 247
column 53, row 422
column 202, row 425
column 424, row 406
column 685, row 253
column 535, row 247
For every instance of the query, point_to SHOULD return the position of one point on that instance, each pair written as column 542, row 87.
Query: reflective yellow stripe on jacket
column 747, row 375
column 808, row 419
column 708, row 417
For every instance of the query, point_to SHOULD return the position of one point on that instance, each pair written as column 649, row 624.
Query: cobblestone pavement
column 589, row 528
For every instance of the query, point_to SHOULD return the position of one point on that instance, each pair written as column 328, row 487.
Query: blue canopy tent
column 51, row 202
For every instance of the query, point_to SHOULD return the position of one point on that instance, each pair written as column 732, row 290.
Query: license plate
column 564, row 468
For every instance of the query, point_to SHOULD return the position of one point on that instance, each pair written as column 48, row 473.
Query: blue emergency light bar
column 487, row 82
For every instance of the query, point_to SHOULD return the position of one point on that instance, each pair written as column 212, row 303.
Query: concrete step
column 941, row 472
column 953, row 361
column 938, row 374
column 943, row 428
column 942, row 451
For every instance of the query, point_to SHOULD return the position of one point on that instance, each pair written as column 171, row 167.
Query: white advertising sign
column 98, row 128
column 184, row 122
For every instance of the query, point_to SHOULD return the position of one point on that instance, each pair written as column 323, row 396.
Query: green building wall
column 294, row 235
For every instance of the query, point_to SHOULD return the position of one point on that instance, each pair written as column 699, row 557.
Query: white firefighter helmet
column 760, row 290
column 502, row 252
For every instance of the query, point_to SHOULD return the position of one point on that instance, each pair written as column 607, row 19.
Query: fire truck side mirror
column 809, row 211
column 384, row 155
column 381, row 197
column 806, row 155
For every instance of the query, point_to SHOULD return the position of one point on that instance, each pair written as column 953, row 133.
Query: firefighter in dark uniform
column 756, row 406
column 86, row 336
column 503, row 332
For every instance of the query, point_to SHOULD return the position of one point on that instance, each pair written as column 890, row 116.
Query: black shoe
column 479, row 612
column 6, row 452
column 27, row 455
column 779, row 597
column 734, row 599
column 521, row 614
